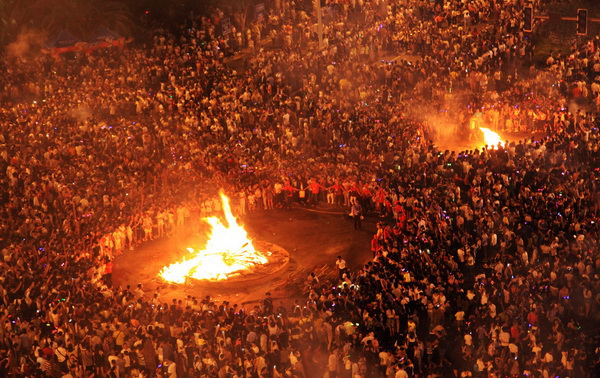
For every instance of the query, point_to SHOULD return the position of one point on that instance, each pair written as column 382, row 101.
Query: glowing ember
column 490, row 137
column 228, row 251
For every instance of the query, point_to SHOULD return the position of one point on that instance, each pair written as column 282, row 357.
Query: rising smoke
column 27, row 45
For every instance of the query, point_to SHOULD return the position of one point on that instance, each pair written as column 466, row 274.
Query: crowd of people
column 485, row 261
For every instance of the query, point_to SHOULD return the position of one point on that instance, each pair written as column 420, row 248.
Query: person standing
column 289, row 190
column 315, row 190
column 332, row 363
column 242, row 202
column 268, row 304
column 356, row 213
column 108, row 270
column 338, row 193
column 341, row 266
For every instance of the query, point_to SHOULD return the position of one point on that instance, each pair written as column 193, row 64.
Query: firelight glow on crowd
column 485, row 261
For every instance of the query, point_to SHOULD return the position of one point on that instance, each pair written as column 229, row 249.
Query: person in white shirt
column 341, row 266
column 171, row 369
column 401, row 373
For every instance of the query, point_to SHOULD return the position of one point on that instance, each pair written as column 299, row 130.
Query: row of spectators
column 486, row 262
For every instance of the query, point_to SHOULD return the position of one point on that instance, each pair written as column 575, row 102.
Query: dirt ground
column 312, row 237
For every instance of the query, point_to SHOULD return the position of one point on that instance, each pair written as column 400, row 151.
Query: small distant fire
column 228, row 251
column 490, row 137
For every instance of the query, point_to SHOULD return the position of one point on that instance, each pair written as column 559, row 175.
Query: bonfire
column 490, row 137
column 227, row 253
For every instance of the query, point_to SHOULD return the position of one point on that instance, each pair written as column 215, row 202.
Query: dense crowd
column 485, row 262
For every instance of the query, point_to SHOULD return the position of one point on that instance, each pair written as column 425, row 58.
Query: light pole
column 319, row 23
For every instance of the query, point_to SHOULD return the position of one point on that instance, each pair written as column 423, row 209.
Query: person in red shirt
column 387, row 207
column 532, row 318
column 338, row 192
column 376, row 247
column 379, row 198
column 315, row 189
column 108, row 270
column 366, row 198
column 401, row 217
column 354, row 192
column 288, row 191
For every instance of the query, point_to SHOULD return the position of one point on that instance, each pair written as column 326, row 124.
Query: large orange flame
column 228, row 251
column 490, row 137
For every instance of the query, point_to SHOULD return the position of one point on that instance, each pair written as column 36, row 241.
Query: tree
column 559, row 36
column 80, row 17
column 13, row 18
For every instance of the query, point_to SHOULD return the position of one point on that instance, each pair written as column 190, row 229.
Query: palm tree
column 13, row 18
column 80, row 17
